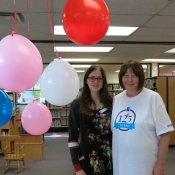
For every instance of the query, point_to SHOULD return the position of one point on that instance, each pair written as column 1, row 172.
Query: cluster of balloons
column 20, row 72
column 20, row 69
column 59, row 85
column 85, row 22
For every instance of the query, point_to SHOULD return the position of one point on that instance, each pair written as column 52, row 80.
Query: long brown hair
column 86, row 99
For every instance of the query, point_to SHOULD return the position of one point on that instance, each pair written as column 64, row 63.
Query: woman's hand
column 81, row 172
column 162, row 152
column 158, row 170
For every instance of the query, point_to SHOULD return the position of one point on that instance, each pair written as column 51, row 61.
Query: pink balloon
column 20, row 63
column 36, row 118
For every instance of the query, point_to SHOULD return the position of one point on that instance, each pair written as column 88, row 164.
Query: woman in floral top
column 89, row 126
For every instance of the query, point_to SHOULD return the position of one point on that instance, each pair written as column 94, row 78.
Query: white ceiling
column 155, row 35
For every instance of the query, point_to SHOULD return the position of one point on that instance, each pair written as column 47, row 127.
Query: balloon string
column 27, row 9
column 51, row 28
column 15, row 24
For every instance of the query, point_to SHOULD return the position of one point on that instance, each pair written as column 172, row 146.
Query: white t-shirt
column 136, row 124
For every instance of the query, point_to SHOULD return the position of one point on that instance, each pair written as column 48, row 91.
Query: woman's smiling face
column 130, row 82
column 96, row 85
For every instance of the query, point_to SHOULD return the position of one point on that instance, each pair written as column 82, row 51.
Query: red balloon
column 85, row 21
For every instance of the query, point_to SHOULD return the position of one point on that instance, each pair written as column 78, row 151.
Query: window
column 28, row 96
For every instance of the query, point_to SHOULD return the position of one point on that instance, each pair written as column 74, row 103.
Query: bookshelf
column 60, row 115
column 165, row 87
column 114, row 88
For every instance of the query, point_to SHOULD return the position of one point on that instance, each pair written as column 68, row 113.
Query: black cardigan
column 78, row 135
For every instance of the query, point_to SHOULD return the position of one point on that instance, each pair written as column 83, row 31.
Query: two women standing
column 140, row 126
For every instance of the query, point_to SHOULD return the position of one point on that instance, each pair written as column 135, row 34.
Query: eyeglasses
column 99, row 79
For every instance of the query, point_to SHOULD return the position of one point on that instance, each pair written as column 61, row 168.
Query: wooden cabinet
column 33, row 146
column 171, row 105
column 60, row 115
column 114, row 88
column 11, row 128
column 165, row 86
column 158, row 84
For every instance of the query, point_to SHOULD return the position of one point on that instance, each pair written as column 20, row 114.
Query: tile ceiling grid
column 154, row 19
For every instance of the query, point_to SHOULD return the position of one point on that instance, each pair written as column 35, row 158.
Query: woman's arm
column 162, row 153
column 73, row 130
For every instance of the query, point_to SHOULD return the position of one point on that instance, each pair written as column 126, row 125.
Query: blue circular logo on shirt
column 125, row 120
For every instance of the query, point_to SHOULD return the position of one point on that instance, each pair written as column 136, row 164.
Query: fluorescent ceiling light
column 117, row 71
column 171, row 51
column 112, row 30
column 80, row 70
column 82, row 49
column 58, row 30
column 81, row 66
column 159, row 60
column 81, row 59
column 120, row 31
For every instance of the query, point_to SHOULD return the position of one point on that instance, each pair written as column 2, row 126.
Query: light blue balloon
column 6, row 108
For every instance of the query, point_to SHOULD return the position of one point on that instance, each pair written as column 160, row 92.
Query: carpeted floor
column 56, row 158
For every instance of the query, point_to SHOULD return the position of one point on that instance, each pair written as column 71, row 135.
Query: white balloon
column 59, row 83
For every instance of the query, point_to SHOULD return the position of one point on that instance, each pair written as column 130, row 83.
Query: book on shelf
column 115, row 87
column 5, row 133
column 151, row 83
column 56, row 114
column 56, row 123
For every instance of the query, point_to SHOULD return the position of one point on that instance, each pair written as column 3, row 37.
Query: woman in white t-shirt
column 140, row 125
